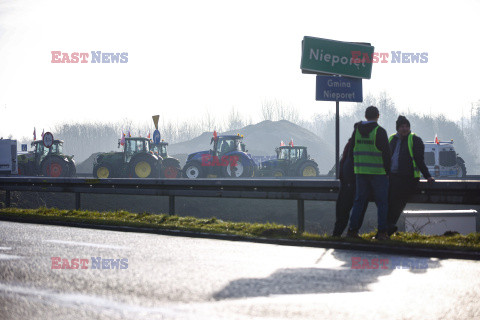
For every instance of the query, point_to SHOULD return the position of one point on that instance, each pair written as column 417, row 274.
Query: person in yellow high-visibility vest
column 371, row 164
column 407, row 162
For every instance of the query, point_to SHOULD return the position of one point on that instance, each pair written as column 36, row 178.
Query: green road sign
column 326, row 56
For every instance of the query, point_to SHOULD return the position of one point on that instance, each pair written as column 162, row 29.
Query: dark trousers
column 368, row 184
column 346, row 196
column 400, row 190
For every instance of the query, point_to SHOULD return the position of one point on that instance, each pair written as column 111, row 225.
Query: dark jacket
column 405, row 163
column 346, row 164
column 381, row 141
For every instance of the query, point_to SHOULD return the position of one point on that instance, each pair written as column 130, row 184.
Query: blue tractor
column 227, row 158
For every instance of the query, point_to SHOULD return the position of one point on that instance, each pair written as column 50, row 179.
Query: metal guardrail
column 444, row 191
column 322, row 176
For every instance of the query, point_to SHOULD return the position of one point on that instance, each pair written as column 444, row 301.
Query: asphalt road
column 169, row 277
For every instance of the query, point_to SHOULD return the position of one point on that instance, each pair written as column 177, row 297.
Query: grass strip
column 470, row 242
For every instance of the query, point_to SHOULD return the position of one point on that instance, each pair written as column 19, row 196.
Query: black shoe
column 381, row 236
column 336, row 234
column 392, row 230
column 353, row 234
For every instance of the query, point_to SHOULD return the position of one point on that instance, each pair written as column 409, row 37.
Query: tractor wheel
column 278, row 173
column 308, row 169
column 144, row 167
column 238, row 169
column 54, row 167
column 171, row 168
column 193, row 170
column 462, row 170
column 103, row 171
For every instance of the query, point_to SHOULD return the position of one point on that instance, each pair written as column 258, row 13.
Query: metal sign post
column 337, row 140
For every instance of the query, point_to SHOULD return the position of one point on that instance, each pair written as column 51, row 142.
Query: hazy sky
column 187, row 57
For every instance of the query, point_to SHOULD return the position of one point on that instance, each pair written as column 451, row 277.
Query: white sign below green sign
column 326, row 56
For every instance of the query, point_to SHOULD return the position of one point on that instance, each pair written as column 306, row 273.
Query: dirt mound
column 87, row 165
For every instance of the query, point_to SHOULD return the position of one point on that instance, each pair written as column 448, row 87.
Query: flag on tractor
column 436, row 140
column 122, row 141
column 34, row 134
column 129, row 135
column 291, row 142
column 282, row 143
column 148, row 136
column 215, row 134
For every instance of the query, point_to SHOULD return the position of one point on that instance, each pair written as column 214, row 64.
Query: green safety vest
column 416, row 171
column 367, row 159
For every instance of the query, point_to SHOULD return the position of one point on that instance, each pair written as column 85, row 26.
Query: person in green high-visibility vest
column 407, row 162
column 371, row 164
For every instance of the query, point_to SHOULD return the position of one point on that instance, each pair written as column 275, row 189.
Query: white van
column 8, row 157
column 442, row 160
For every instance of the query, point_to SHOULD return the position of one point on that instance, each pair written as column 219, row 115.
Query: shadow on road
column 324, row 279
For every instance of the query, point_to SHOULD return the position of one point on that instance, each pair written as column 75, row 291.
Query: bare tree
column 277, row 110
column 267, row 110
column 234, row 120
column 208, row 121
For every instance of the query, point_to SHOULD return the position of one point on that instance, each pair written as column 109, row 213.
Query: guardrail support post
column 171, row 205
column 77, row 201
column 7, row 198
column 301, row 215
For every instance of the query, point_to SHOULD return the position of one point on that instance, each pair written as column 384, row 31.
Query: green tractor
column 43, row 161
column 291, row 161
column 136, row 161
column 170, row 166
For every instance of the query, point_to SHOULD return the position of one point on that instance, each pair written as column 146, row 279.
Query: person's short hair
column 371, row 113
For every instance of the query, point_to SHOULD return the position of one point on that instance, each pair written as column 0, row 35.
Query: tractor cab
column 226, row 144
column 134, row 146
column 159, row 149
column 292, row 154
column 41, row 152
